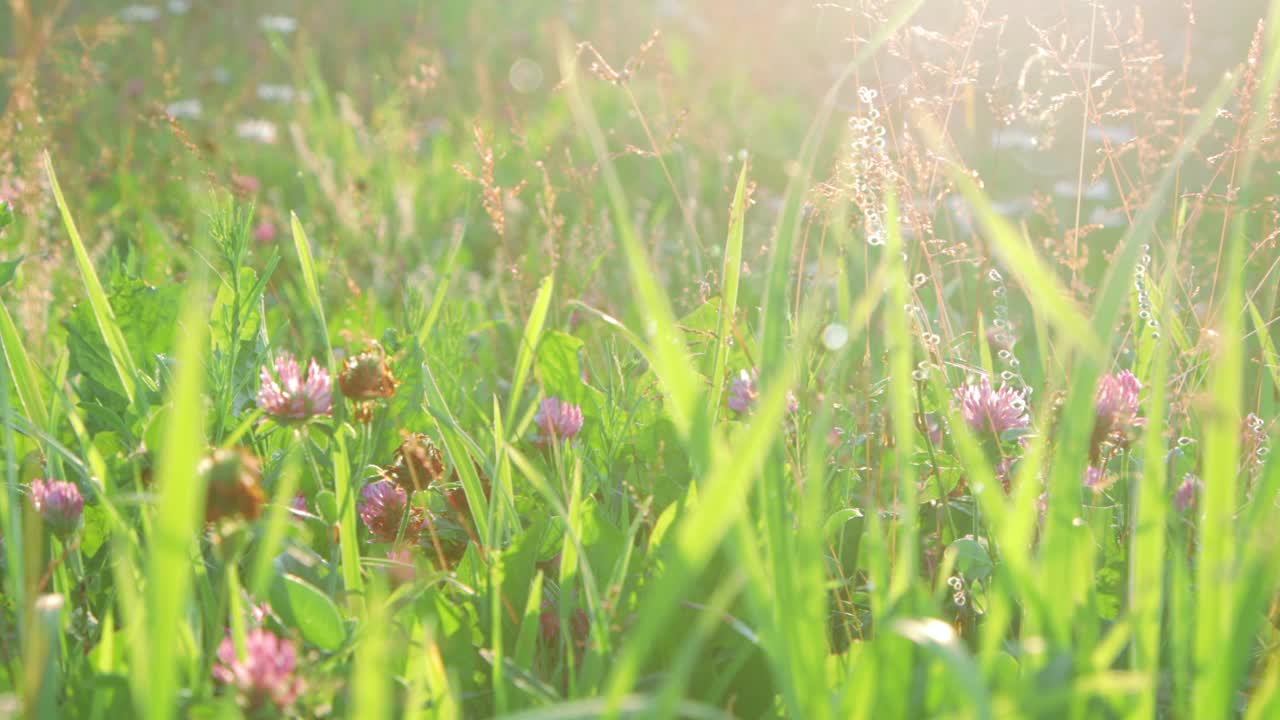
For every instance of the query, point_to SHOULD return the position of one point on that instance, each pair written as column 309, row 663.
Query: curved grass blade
column 722, row 499
column 26, row 383
column 371, row 686
column 669, row 356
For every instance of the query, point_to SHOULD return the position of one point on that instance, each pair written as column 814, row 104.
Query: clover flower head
column 60, row 504
column 743, row 392
column 288, row 397
column 1187, row 491
column 1116, row 402
column 266, row 672
column 264, row 232
column 382, row 507
column 989, row 410
column 558, row 419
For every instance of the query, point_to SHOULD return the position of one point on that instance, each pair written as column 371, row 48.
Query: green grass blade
column 699, row 533
column 529, row 345
column 1150, row 493
column 1222, row 588
column 15, row 546
column 26, row 383
column 349, row 533
column 530, row 624
column 497, row 676
column 179, row 515
column 941, row 639
column 901, row 406
column 306, row 263
column 102, row 312
column 456, row 444
column 371, row 685
column 442, row 288
column 1269, row 357
column 1017, row 254
column 730, row 275
column 628, row 705
column 277, row 522
column 775, row 300
column 343, row 487
column 430, row 692
column 670, row 358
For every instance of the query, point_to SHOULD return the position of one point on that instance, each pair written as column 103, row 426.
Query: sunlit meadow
column 695, row 358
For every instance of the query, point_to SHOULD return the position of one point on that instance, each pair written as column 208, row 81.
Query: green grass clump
column 546, row 360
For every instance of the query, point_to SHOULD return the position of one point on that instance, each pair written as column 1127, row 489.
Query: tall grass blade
column 1150, row 493
column 732, row 473
column 1222, row 587
column 310, row 283
column 343, row 487
column 102, row 312
column 529, row 345
column 730, row 275
column 371, row 686
column 670, row 358
column 178, row 517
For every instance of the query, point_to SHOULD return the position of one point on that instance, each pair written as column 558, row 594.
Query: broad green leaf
column 327, row 506
column 558, row 369
column 311, row 611
column 8, row 268
column 836, row 521
column 969, row 557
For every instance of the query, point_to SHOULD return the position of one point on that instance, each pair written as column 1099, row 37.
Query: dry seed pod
column 234, row 481
column 368, row 376
column 418, row 463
